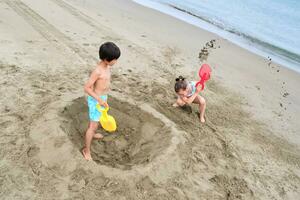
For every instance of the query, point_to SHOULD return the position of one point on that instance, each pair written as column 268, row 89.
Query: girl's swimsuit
column 192, row 86
column 94, row 113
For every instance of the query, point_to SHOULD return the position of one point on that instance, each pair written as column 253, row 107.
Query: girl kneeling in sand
column 188, row 93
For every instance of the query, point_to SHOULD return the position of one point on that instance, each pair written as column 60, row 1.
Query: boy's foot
column 86, row 156
column 98, row 136
column 202, row 120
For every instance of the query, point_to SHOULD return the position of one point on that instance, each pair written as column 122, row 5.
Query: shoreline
column 266, row 50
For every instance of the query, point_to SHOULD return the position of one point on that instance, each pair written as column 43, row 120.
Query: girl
column 188, row 93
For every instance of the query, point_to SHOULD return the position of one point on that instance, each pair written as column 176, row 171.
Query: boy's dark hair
column 181, row 84
column 109, row 51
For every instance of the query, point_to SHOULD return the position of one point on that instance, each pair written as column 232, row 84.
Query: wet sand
column 248, row 149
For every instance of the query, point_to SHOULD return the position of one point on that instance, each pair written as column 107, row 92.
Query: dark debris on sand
column 203, row 54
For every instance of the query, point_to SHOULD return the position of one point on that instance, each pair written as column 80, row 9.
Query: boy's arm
column 88, row 88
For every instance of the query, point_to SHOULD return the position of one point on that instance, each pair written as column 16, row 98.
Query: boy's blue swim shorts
column 94, row 114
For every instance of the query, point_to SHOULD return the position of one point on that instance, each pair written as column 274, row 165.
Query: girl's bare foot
column 175, row 105
column 98, row 136
column 202, row 120
column 86, row 155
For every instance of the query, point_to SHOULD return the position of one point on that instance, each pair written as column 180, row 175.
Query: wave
column 283, row 53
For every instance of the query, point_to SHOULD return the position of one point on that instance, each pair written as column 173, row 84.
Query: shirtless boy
column 97, row 88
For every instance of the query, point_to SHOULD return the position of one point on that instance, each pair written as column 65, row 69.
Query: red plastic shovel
column 204, row 74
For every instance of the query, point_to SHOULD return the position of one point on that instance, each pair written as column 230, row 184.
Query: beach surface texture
column 249, row 147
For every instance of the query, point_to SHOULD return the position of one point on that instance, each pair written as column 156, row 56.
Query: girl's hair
column 181, row 84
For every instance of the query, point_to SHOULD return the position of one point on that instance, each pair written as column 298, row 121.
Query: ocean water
column 266, row 27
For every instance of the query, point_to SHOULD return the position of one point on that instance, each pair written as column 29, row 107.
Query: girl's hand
column 199, row 88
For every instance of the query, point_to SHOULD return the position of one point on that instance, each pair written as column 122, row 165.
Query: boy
column 97, row 88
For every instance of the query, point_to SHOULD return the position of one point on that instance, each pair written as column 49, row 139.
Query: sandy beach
column 249, row 148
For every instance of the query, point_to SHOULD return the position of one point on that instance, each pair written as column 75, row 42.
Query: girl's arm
column 190, row 99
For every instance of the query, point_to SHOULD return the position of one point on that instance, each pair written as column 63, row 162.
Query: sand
column 248, row 148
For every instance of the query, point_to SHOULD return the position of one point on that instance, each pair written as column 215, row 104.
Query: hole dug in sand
column 140, row 137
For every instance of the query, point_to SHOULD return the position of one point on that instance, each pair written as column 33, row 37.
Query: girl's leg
column 202, row 105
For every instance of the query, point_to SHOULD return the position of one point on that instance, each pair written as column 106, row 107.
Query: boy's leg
column 202, row 105
column 179, row 102
column 88, row 139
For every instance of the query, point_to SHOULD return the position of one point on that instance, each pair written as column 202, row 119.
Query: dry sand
column 248, row 149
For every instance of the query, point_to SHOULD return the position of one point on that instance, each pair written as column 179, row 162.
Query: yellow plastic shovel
column 107, row 122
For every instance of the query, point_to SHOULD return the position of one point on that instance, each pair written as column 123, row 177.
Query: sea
column 270, row 28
